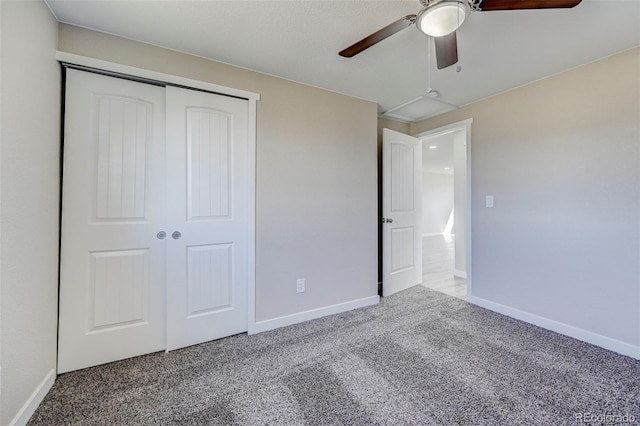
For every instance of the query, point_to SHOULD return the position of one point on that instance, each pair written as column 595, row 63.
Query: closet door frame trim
column 158, row 78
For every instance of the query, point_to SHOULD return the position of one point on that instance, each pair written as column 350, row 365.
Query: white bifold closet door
column 154, row 242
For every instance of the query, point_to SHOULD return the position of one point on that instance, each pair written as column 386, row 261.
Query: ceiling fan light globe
column 442, row 18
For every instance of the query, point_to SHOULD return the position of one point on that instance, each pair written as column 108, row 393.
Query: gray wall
column 562, row 158
column 437, row 201
column 30, row 144
column 316, row 176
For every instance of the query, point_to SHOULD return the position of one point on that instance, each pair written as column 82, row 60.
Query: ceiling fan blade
column 446, row 50
column 378, row 36
column 484, row 5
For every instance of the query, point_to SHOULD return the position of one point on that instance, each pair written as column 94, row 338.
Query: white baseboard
column 562, row 328
column 34, row 400
column 274, row 323
column 459, row 273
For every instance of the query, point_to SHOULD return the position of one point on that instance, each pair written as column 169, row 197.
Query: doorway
column 445, row 217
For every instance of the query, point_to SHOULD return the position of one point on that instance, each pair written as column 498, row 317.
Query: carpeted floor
column 418, row 358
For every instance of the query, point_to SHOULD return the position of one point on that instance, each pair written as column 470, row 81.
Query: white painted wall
column 561, row 247
column 30, row 146
column 437, row 201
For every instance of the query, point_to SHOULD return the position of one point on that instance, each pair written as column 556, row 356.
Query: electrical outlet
column 300, row 285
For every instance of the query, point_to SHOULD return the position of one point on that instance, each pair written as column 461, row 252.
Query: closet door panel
column 112, row 284
column 207, row 183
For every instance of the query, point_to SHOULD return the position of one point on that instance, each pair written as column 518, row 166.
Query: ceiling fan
column 441, row 18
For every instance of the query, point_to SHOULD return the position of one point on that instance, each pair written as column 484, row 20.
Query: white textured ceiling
column 300, row 40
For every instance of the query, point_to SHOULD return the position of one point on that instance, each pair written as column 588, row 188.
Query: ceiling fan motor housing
column 442, row 17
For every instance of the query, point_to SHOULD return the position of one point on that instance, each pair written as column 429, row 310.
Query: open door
column 401, row 207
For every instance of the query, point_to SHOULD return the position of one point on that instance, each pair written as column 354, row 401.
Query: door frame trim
column 466, row 126
column 252, row 98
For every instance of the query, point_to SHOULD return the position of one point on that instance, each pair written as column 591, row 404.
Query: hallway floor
column 438, row 260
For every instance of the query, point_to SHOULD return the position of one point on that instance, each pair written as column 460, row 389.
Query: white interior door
column 401, row 207
column 207, row 183
column 112, row 288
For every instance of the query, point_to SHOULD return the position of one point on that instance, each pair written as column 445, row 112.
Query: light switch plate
column 489, row 201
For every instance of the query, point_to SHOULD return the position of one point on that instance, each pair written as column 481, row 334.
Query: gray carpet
column 418, row 358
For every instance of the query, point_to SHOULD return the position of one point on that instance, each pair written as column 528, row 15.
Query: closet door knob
column 176, row 235
column 161, row 235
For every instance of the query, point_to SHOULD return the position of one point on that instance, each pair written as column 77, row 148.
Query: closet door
column 112, row 290
column 207, row 183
